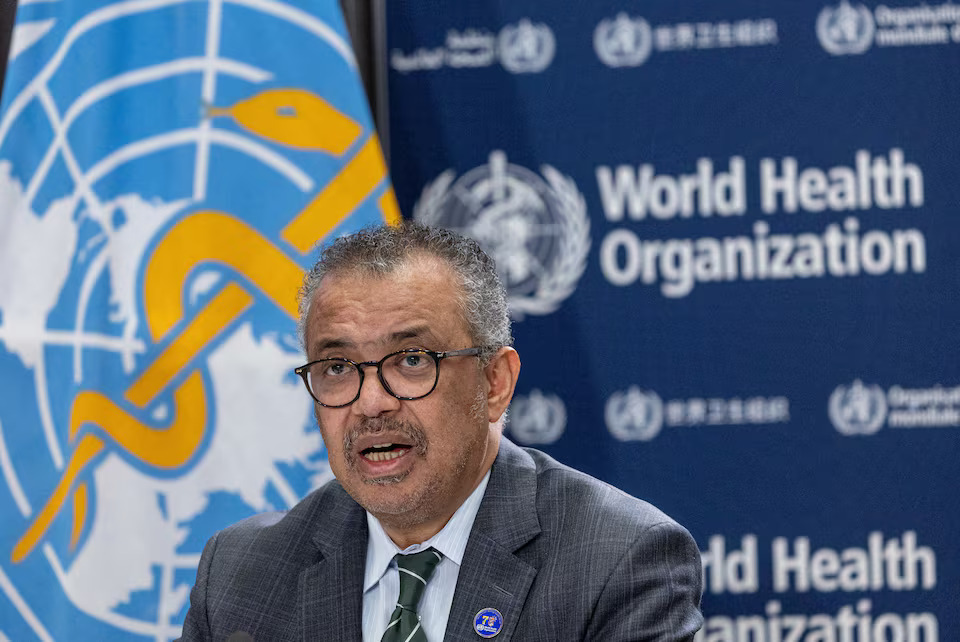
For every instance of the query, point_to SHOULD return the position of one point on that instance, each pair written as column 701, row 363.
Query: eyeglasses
column 406, row 374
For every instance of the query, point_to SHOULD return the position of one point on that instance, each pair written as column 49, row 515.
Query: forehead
column 419, row 299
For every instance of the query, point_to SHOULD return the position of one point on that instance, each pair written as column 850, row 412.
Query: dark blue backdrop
column 729, row 235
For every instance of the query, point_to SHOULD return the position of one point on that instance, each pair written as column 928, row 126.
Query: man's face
column 410, row 463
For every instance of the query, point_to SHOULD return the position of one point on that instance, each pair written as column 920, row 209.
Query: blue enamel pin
column 487, row 623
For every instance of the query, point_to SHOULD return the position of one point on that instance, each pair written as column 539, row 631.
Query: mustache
column 412, row 434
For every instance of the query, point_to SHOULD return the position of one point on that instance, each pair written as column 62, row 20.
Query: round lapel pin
column 487, row 623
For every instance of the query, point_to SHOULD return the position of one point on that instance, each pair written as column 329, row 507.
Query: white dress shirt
column 381, row 582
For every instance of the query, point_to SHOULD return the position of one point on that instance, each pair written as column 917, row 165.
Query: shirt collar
column 451, row 541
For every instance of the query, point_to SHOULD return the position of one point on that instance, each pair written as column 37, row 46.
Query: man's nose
column 374, row 400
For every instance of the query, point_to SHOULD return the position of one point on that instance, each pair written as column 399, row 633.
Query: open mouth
column 384, row 452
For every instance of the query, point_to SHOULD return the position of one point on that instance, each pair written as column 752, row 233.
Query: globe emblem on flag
column 536, row 230
column 155, row 220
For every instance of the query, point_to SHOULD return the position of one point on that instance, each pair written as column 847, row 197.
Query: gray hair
column 378, row 251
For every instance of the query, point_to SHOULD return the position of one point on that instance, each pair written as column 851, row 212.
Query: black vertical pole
column 356, row 13
column 378, row 73
column 8, row 10
column 366, row 24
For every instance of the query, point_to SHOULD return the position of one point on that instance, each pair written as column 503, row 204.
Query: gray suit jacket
column 561, row 555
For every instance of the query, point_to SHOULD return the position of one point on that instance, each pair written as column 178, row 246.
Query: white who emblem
column 526, row 47
column 845, row 29
column 634, row 415
column 537, row 418
column 858, row 409
column 537, row 231
column 623, row 41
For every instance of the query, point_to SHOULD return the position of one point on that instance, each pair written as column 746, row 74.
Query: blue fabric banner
column 729, row 235
column 166, row 167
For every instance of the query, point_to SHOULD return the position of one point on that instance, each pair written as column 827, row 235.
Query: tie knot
column 415, row 571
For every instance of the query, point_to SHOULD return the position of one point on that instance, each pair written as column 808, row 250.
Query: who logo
column 858, row 409
column 526, row 47
column 536, row 230
column 623, row 41
column 166, row 168
column 634, row 414
column 537, row 418
column 845, row 29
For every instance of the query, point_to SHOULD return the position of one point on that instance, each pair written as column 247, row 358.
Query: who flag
column 166, row 167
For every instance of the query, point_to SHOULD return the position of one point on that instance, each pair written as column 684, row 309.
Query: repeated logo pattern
column 623, row 41
column 858, row 409
column 845, row 28
column 537, row 418
column 524, row 47
column 863, row 409
column 634, row 414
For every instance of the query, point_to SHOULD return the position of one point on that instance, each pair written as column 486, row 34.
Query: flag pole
column 8, row 11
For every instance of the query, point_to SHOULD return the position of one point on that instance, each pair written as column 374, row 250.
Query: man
column 407, row 337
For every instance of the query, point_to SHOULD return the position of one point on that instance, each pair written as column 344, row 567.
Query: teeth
column 386, row 445
column 385, row 456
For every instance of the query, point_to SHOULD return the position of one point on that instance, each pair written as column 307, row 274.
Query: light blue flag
column 166, row 167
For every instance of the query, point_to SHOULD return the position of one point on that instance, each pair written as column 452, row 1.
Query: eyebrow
column 327, row 344
column 421, row 331
column 411, row 333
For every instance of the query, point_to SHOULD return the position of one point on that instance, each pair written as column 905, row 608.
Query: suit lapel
column 491, row 576
column 327, row 614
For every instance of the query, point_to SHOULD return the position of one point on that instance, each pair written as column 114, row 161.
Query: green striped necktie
column 415, row 571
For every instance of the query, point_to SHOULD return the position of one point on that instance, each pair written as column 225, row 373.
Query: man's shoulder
column 569, row 500
column 637, row 570
column 582, row 493
column 292, row 527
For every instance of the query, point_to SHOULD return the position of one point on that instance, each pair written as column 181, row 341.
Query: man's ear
column 501, row 373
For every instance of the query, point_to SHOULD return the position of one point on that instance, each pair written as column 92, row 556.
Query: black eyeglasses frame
column 361, row 367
